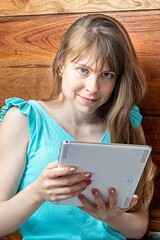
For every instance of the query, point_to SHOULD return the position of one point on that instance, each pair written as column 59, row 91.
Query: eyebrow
column 86, row 66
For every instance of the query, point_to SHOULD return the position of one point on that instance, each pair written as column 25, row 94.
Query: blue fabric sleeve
column 25, row 108
column 135, row 117
column 11, row 102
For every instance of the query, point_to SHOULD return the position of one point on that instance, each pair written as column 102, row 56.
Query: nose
column 92, row 84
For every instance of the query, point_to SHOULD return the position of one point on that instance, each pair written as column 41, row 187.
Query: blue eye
column 83, row 71
column 108, row 75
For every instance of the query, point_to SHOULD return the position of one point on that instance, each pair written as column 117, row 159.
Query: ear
column 60, row 68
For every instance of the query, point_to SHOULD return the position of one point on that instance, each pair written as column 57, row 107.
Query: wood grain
column 13, row 236
column 151, row 126
column 154, row 224
column 34, row 7
column 28, row 83
column 28, row 44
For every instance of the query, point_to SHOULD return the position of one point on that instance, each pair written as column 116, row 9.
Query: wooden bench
column 28, row 44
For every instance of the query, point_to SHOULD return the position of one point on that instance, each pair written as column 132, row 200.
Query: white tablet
column 112, row 165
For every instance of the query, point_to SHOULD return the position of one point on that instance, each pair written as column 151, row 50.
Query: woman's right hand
column 59, row 183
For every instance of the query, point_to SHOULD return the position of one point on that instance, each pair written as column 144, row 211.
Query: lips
column 88, row 99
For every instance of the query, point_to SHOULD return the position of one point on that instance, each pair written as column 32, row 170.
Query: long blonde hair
column 108, row 41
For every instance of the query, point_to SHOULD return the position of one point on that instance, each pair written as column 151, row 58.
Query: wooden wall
column 30, row 32
column 43, row 7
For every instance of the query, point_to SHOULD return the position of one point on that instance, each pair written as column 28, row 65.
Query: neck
column 77, row 118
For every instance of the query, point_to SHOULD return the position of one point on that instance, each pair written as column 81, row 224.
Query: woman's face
column 86, row 88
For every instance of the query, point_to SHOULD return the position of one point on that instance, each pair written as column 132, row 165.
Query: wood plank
column 27, row 45
column 151, row 126
column 33, row 7
column 40, row 36
column 151, row 104
column 155, row 204
column 154, row 224
column 13, row 236
column 26, row 82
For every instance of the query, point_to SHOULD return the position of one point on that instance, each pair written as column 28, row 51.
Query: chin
column 87, row 111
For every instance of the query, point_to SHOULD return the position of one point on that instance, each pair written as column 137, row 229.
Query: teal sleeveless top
column 51, row 221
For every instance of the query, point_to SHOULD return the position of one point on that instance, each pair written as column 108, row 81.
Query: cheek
column 70, row 86
column 71, row 83
column 107, row 90
column 74, row 86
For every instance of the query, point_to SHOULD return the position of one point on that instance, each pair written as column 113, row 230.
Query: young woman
column 97, row 87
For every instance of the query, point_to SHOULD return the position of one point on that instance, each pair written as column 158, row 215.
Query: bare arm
column 15, row 207
column 132, row 225
column 13, row 144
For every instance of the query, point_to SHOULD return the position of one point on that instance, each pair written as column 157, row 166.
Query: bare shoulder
column 14, row 113
column 14, row 117
column 14, row 126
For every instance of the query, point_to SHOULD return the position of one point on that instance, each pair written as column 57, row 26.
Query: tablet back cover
column 112, row 165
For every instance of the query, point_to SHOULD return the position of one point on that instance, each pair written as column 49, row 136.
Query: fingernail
column 94, row 191
column 88, row 182
column 111, row 190
column 80, row 196
column 135, row 202
column 88, row 175
column 72, row 169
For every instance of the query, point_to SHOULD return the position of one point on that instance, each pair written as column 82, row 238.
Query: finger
column 70, row 189
column 112, row 198
column 88, row 207
column 102, row 211
column 63, row 196
column 83, row 209
column 98, row 199
column 59, row 171
column 87, row 204
column 61, row 180
column 73, row 179
column 52, row 165
column 134, row 201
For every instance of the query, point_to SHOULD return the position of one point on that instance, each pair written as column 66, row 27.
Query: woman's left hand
column 102, row 211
